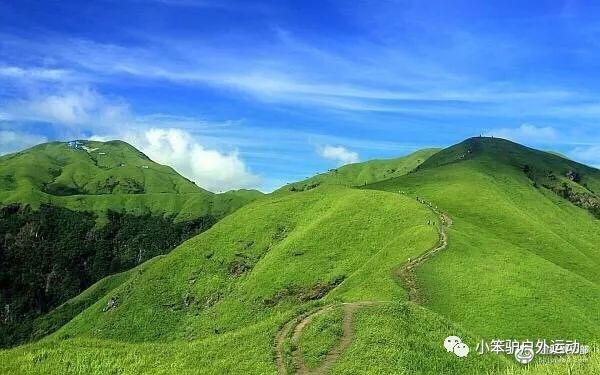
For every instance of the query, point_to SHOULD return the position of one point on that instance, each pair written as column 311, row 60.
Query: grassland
column 231, row 276
column 242, row 282
column 522, row 259
column 72, row 215
column 360, row 174
column 403, row 338
column 321, row 336
column 521, row 262
column 108, row 176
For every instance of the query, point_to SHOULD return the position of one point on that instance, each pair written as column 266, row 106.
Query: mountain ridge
column 518, row 247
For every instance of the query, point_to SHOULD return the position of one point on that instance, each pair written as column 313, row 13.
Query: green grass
column 108, row 167
column 104, row 178
column 249, row 352
column 109, row 176
column 559, row 365
column 49, row 323
column 522, row 262
column 403, row 338
column 320, row 336
column 360, row 174
column 230, row 276
column 267, row 262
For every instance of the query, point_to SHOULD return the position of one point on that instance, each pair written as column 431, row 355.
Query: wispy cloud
column 587, row 154
column 16, row 72
column 76, row 106
column 291, row 71
column 83, row 110
column 380, row 79
column 527, row 133
column 339, row 154
column 12, row 141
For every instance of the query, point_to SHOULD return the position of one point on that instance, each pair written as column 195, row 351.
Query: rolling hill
column 359, row 174
column 101, row 176
column 519, row 246
column 73, row 213
column 485, row 239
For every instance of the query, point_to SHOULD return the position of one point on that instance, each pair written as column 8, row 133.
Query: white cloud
column 209, row 168
column 339, row 153
column 77, row 106
column 590, row 154
column 526, row 133
column 43, row 74
column 80, row 108
column 12, row 141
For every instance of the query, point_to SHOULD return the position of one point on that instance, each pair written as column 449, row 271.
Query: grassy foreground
column 521, row 263
column 242, row 279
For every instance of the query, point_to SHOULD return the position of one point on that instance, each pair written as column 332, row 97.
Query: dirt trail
column 280, row 341
column 404, row 272
column 348, row 310
column 299, row 364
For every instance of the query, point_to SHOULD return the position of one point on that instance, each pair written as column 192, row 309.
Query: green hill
column 523, row 256
column 71, row 214
column 359, row 174
column 480, row 240
column 101, row 176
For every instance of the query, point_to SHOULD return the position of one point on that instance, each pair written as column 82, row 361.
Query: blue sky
column 259, row 93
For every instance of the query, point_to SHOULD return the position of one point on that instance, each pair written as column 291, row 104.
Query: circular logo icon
column 524, row 355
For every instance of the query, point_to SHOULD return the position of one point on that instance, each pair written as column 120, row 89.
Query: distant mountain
column 89, row 168
column 74, row 212
column 359, row 174
column 485, row 239
column 576, row 182
column 101, row 176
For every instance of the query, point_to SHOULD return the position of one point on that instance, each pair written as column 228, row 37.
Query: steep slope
column 231, row 276
column 71, row 214
column 368, row 172
column 232, row 287
column 523, row 258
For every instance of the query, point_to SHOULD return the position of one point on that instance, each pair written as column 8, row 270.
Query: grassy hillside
column 71, row 215
column 522, row 257
column 92, row 168
column 368, row 172
column 102, row 176
column 230, row 277
column 312, row 278
column 255, row 269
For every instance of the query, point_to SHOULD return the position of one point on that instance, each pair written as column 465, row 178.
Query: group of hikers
column 428, row 204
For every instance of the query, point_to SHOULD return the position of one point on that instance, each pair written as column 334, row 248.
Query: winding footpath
column 295, row 326
column 405, row 271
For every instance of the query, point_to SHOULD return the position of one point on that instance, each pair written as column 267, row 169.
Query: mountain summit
column 89, row 168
